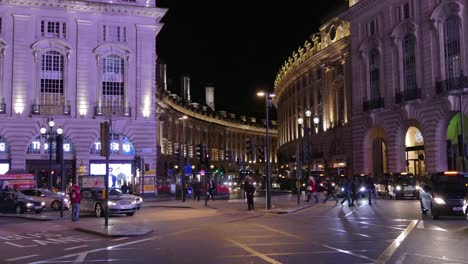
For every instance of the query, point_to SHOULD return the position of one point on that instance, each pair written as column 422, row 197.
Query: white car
column 117, row 192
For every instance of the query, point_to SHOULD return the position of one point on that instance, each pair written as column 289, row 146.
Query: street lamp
column 184, row 152
column 50, row 135
column 268, row 98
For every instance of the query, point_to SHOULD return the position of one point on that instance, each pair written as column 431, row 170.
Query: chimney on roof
column 161, row 78
column 186, row 87
column 209, row 96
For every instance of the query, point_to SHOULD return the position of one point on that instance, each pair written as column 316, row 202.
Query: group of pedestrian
column 351, row 190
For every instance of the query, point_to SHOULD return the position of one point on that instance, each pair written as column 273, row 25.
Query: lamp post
column 184, row 153
column 268, row 98
column 50, row 135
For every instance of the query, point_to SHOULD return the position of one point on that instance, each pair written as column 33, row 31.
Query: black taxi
column 445, row 194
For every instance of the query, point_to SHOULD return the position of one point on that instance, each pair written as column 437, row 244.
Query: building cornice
column 229, row 125
column 357, row 9
column 95, row 7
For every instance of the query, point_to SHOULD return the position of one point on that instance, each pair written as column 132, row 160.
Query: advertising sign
column 118, row 172
column 21, row 181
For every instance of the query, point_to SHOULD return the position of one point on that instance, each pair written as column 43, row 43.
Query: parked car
column 16, row 202
column 51, row 199
column 92, row 202
column 136, row 198
column 445, row 195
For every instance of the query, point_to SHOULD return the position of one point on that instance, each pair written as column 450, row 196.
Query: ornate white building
column 80, row 63
column 409, row 63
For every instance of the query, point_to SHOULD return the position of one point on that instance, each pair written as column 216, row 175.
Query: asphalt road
column 387, row 232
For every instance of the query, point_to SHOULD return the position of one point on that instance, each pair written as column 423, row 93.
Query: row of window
column 452, row 58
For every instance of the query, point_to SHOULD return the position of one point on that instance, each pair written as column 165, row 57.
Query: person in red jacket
column 75, row 197
column 312, row 189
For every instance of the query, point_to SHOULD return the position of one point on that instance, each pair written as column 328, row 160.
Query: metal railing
column 51, row 109
column 112, row 111
column 408, row 95
column 452, row 84
column 373, row 104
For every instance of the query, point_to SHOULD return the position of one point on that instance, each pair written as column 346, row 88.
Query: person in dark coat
column 196, row 186
column 124, row 187
column 370, row 188
column 346, row 192
column 354, row 191
column 330, row 191
column 249, row 190
column 210, row 188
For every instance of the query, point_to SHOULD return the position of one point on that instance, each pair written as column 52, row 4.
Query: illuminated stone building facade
column 316, row 78
column 224, row 135
column 409, row 63
column 80, row 63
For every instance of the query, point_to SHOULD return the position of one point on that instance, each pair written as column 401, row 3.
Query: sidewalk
column 281, row 204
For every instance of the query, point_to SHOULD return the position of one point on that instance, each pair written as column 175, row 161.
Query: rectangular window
column 406, row 12
column 0, row 25
column 53, row 29
column 114, row 33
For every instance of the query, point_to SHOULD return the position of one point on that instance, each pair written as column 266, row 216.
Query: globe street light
column 268, row 98
column 50, row 135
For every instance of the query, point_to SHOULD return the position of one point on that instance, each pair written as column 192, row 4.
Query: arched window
column 119, row 145
column 409, row 62
column 452, row 47
column 113, row 85
column 374, row 73
column 52, row 84
column 40, row 145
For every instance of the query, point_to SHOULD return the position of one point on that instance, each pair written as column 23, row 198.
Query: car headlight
column 303, row 185
column 65, row 200
column 333, row 184
column 29, row 204
column 362, row 189
column 235, row 184
column 439, row 200
column 398, row 188
column 110, row 203
column 134, row 202
column 417, row 187
column 342, row 189
column 42, row 203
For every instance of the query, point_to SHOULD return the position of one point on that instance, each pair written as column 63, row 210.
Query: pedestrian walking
column 249, row 188
column 75, row 197
column 330, row 192
column 346, row 192
column 196, row 186
column 354, row 191
column 370, row 188
column 312, row 189
column 210, row 187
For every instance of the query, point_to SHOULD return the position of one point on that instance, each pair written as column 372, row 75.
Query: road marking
column 254, row 252
column 71, row 248
column 120, row 238
column 295, row 253
column 353, row 233
column 81, row 256
column 346, row 215
column 445, row 259
column 391, row 227
column 262, row 236
column 323, row 245
column 388, row 253
column 272, row 244
column 19, row 258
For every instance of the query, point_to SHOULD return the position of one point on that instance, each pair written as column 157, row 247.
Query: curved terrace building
column 314, row 86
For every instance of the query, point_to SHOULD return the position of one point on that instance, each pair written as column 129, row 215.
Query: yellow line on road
column 254, row 252
column 388, row 253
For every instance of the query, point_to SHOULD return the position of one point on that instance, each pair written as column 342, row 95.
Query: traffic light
column 59, row 149
column 137, row 161
column 201, row 152
column 261, row 154
column 105, row 139
column 177, row 155
column 250, row 148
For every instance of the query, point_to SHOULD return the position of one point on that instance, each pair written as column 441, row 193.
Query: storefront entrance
column 415, row 154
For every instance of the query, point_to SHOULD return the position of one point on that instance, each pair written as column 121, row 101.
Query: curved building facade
column 409, row 103
column 184, row 124
column 316, row 78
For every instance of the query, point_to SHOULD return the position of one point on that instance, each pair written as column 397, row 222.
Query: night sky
column 237, row 45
